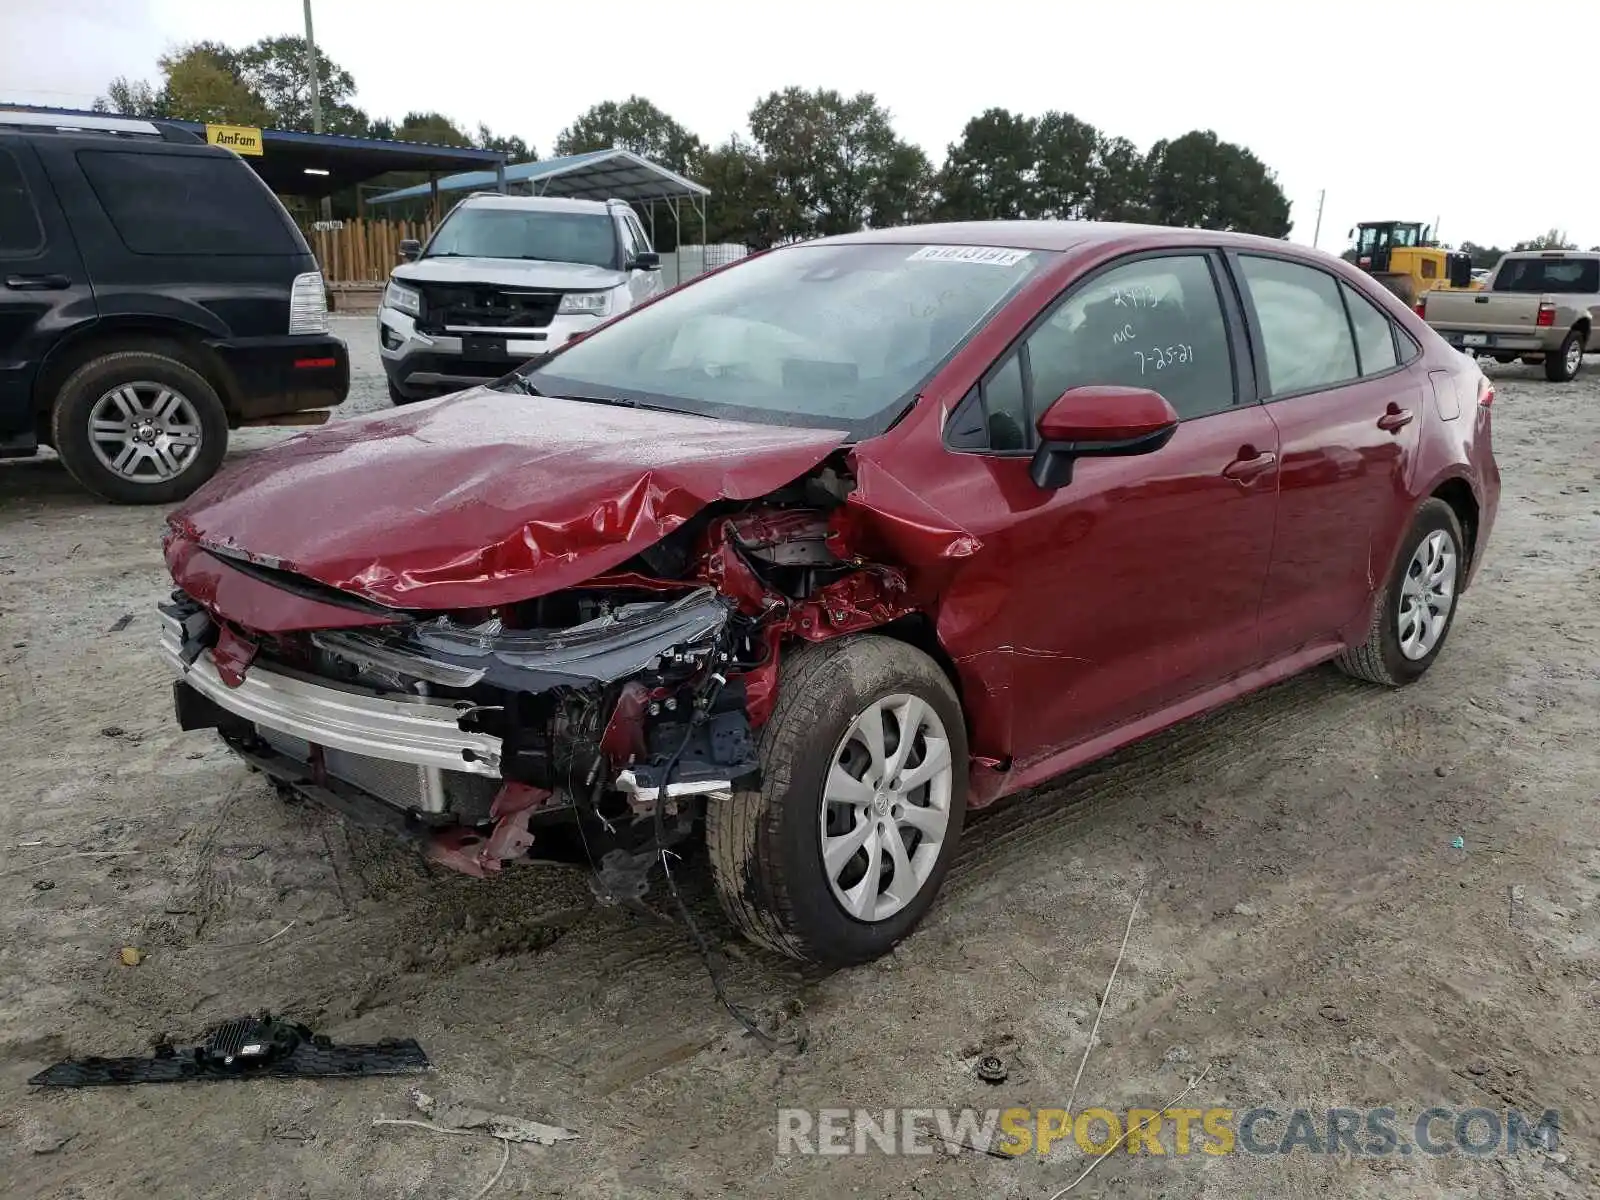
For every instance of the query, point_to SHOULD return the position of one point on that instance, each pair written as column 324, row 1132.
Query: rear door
column 1340, row 384
column 44, row 289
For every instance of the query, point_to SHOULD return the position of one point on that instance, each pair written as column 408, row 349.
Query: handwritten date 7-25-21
column 1159, row 358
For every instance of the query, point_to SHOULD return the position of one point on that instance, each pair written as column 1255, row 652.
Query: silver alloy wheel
column 1574, row 355
column 145, row 432
column 1427, row 594
column 886, row 806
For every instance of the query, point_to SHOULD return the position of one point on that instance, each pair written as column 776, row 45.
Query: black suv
column 155, row 295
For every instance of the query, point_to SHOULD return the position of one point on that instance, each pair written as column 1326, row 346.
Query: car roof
column 537, row 203
column 1054, row 235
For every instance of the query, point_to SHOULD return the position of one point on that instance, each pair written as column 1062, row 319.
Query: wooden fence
column 360, row 251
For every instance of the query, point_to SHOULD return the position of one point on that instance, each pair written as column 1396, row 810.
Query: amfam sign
column 241, row 139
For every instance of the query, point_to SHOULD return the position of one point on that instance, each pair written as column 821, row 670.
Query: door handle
column 1395, row 419
column 38, row 283
column 1250, row 464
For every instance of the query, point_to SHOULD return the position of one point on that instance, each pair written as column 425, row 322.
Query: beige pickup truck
column 1539, row 306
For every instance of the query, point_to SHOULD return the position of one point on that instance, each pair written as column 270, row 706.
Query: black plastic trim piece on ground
column 261, row 1047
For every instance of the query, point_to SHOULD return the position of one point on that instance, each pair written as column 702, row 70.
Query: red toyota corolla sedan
column 824, row 549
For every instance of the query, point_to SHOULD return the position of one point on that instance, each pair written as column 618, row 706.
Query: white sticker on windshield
column 994, row 256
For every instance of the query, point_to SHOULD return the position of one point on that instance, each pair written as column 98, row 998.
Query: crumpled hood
column 485, row 498
column 510, row 272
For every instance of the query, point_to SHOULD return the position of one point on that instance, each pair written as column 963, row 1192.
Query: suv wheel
column 840, row 852
column 139, row 427
column 1565, row 363
column 1418, row 604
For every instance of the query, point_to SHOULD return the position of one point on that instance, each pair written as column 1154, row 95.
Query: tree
column 1120, row 189
column 830, row 160
column 514, row 148
column 1065, row 150
column 1482, row 256
column 1199, row 181
column 902, row 193
column 203, row 84
column 275, row 70
column 989, row 174
column 742, row 206
column 131, row 98
column 637, row 125
column 433, row 128
column 1552, row 239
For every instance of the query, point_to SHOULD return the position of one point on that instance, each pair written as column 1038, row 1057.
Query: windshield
column 834, row 336
column 1374, row 237
column 481, row 231
column 1548, row 275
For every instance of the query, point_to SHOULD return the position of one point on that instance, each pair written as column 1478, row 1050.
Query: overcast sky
column 1464, row 111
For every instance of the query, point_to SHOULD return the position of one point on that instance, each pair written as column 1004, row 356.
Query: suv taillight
column 308, row 304
column 1421, row 307
column 1485, row 392
column 1547, row 314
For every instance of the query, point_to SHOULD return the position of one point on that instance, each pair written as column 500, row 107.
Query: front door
column 1138, row 583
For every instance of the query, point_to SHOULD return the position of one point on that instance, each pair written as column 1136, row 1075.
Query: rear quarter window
column 187, row 204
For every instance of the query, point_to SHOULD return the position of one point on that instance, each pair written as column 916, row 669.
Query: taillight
column 1547, row 314
column 1485, row 392
column 1421, row 307
column 308, row 304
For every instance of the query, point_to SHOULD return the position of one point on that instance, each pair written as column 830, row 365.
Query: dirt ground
column 1307, row 928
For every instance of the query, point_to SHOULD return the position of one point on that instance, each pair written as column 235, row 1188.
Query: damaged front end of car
column 618, row 706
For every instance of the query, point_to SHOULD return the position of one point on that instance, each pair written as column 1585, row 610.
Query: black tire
column 69, row 423
column 1505, row 359
column 1379, row 659
column 1563, row 365
column 765, row 845
column 1532, row 360
column 397, row 397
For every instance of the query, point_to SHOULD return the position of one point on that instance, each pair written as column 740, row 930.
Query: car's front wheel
column 841, row 850
column 1414, row 612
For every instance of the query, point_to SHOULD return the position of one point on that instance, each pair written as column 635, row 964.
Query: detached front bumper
column 466, row 733
column 396, row 728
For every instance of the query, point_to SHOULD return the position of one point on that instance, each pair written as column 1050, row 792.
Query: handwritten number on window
column 1159, row 358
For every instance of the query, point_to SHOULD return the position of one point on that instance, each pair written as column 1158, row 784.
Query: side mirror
column 410, row 248
column 645, row 260
column 1098, row 422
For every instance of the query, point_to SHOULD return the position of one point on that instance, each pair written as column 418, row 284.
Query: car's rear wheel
column 1418, row 603
column 139, row 427
column 841, row 850
column 1564, row 364
column 1505, row 359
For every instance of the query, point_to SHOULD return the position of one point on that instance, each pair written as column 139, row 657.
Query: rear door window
column 1304, row 330
column 20, row 234
column 1548, row 275
column 187, row 203
column 1374, row 333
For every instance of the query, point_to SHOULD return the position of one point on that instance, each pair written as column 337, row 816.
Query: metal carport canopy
column 598, row 175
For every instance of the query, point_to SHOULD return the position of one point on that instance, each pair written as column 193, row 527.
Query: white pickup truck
column 1539, row 306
